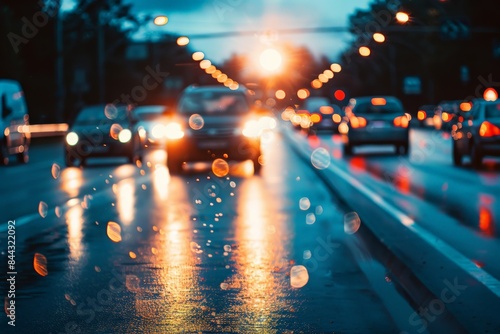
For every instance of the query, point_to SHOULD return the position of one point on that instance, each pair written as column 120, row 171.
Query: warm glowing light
column 204, row 64
column 316, row 84
column 114, row 231
column 211, row 69
column 40, row 264
column 326, row 110
column 125, row 136
column 364, row 51
column 198, row 55
column 337, row 118
column 280, row 94
column 160, row 20
column 339, row 95
column 216, row 74
column 336, row 68
column 220, row 167
column 445, row 117
column 299, row 276
column 401, row 121
column 234, row 86
column 402, row 17
column 182, row 41
column 465, row 106
column 252, row 129
column 174, row 131
column 358, row 122
column 378, row 37
column 323, row 78
column 490, row 94
column 270, row 60
column 315, row 118
column 421, row 115
column 221, row 78
column 228, row 82
column 72, row 139
column 343, row 128
column 303, row 93
column 488, row 129
column 329, row 74
column 379, row 101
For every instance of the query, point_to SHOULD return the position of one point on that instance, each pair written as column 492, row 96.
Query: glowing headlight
column 72, row 139
column 125, row 136
column 174, row 131
column 158, row 131
column 252, row 129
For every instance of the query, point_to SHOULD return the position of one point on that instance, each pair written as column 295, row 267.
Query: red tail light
column 489, row 130
column 316, row 118
column 421, row 115
column 401, row 121
column 358, row 122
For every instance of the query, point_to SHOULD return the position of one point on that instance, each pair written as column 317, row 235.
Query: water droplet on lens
column 220, row 167
column 320, row 158
column 40, row 264
column 352, row 222
column 310, row 218
column 114, row 231
column 304, row 203
column 227, row 248
column 224, row 286
column 298, row 276
column 56, row 170
column 307, row 255
column 42, row 209
column 196, row 122
column 110, row 111
column 195, row 248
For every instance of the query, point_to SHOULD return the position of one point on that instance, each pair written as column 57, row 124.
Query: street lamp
column 160, row 20
column 378, row 37
column 364, row 51
column 182, row 41
column 402, row 17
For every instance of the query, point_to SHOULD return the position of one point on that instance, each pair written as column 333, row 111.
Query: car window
column 314, row 104
column 96, row 115
column 213, row 103
column 389, row 107
column 149, row 113
column 492, row 110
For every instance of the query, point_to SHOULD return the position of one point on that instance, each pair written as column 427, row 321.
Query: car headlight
column 125, row 135
column 72, row 138
column 174, row 131
column 252, row 129
column 158, row 131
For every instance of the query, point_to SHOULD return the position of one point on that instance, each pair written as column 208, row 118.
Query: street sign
column 412, row 85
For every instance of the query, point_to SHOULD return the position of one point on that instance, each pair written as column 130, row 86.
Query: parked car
column 213, row 122
column 14, row 121
column 376, row 120
column 478, row 135
column 102, row 131
column 151, row 124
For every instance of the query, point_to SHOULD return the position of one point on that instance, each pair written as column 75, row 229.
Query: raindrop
column 310, row 218
column 195, row 248
column 320, row 158
column 319, row 210
column 224, row 286
column 97, row 269
column 114, row 131
column 352, row 222
column 58, row 211
column 154, row 250
column 132, row 255
column 304, row 203
column 227, row 248
column 220, row 167
column 232, row 184
column 110, row 111
column 114, row 231
column 307, row 254
column 298, row 276
column 56, row 170
column 40, row 264
column 196, row 122
column 43, row 209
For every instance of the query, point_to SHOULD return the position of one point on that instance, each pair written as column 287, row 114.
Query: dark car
column 376, row 120
column 424, row 116
column 478, row 135
column 102, row 131
column 213, row 122
column 321, row 115
column 13, row 119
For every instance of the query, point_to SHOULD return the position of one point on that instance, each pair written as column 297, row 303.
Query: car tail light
column 337, row 118
column 446, row 117
column 401, row 121
column 358, row 122
column 489, row 130
column 421, row 115
column 316, row 118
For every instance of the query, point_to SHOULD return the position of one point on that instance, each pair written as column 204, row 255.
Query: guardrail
column 45, row 130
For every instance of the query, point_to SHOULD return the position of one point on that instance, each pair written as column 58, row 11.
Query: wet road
column 115, row 248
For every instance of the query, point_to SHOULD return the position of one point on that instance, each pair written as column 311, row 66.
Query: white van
column 14, row 136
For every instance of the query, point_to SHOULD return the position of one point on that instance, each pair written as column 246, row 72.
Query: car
column 447, row 113
column 14, row 121
column 321, row 115
column 213, row 122
column 478, row 135
column 424, row 116
column 377, row 120
column 102, row 131
column 151, row 123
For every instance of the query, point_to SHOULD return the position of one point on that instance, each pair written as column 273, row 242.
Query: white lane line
column 441, row 246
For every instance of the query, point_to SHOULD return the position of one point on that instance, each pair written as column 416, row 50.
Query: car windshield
column 109, row 113
column 213, row 103
column 149, row 113
column 492, row 110
column 314, row 104
column 388, row 107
